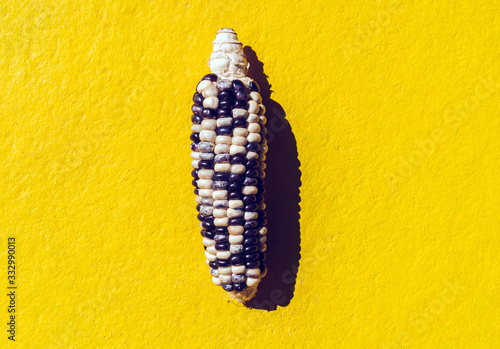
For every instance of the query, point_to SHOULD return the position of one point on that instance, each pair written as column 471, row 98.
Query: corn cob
column 228, row 153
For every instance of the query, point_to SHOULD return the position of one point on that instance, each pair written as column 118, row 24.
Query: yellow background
column 394, row 107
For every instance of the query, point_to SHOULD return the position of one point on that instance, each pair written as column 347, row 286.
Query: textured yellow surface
column 393, row 110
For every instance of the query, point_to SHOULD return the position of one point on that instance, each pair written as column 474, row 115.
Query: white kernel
column 195, row 163
column 239, row 113
column 223, row 254
column 207, row 156
column 208, row 242
column 235, row 229
column 204, row 183
column 206, row 147
column 220, row 203
column 238, row 269
column 207, row 136
column 209, row 124
column 238, row 168
column 224, row 122
column 219, row 194
column 236, row 204
column 207, row 202
column 252, row 281
column 252, row 118
column 196, row 128
column 210, row 257
column 225, row 270
column 225, row 279
column 216, row 280
column 211, row 102
column 236, row 249
column 221, row 222
column 214, row 272
column 222, row 167
column 252, row 137
column 252, row 272
column 263, row 231
column 221, row 148
column 256, row 96
column 249, row 190
column 206, row 210
column 223, row 140
column 206, row 173
column 198, row 199
column 212, row 250
column 237, row 140
column 206, row 193
column 210, row 91
column 253, row 107
column 250, row 215
column 240, row 132
column 252, row 127
column 262, row 248
column 203, row 85
column 232, row 213
column 251, row 155
column 262, row 239
column 235, row 239
column 195, row 155
column 219, row 213
column 237, row 149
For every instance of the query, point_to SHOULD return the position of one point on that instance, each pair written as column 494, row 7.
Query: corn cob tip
column 227, row 59
column 245, row 295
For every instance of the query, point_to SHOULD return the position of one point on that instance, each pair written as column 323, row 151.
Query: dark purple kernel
column 260, row 182
column 262, row 214
column 248, row 199
column 194, row 173
column 251, row 224
column 251, row 257
column 198, row 98
column 209, row 113
column 224, row 246
column 198, row 207
column 251, row 208
column 262, row 256
column 241, row 95
column 221, row 230
column 219, row 158
column 200, row 217
column 253, row 146
column 195, row 137
column 250, row 241
column 236, row 221
column 234, row 187
column 193, row 146
column 202, row 232
column 252, row 264
column 252, row 164
column 239, row 123
column 262, row 268
column 209, row 233
column 224, row 130
column 206, row 164
column 241, row 104
column 212, row 265
column 238, row 278
column 250, row 233
column 227, row 287
column 219, row 238
column 222, row 263
column 250, row 181
column 196, row 191
column 259, row 198
column 263, row 132
column 237, row 260
column 220, row 176
column 238, row 85
column 223, row 113
column 194, row 182
column 219, row 205
column 219, row 185
column 226, row 104
column 240, row 287
column 209, row 218
column 253, row 86
column 252, row 249
column 197, row 109
column 227, row 95
column 232, row 195
column 236, row 177
column 196, row 119
column 207, row 225
column 211, row 77
column 263, row 222
column 238, row 159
